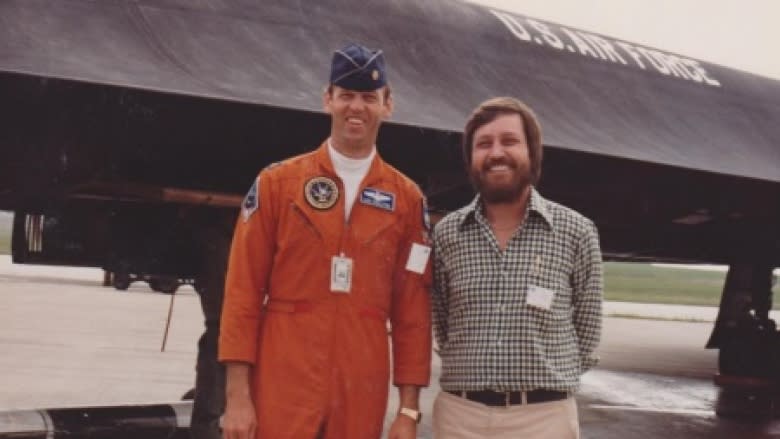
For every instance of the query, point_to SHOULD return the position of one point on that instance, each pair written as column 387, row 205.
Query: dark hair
column 487, row 111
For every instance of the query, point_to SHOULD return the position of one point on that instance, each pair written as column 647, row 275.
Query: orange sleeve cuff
column 412, row 376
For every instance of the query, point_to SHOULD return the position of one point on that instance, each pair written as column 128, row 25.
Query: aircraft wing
column 593, row 94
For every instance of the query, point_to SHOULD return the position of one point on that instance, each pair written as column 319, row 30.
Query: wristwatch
column 412, row 413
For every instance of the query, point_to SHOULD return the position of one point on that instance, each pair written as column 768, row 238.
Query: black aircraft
column 131, row 129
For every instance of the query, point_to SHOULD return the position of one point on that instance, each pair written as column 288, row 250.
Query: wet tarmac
column 67, row 341
column 640, row 405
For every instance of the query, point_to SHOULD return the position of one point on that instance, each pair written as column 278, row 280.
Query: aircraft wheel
column 170, row 288
column 164, row 285
column 750, row 356
column 121, row 281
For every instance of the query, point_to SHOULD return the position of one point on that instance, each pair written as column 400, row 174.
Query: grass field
column 646, row 283
column 630, row 282
column 5, row 232
column 624, row 282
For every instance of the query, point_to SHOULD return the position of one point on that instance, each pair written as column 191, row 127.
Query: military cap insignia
column 321, row 192
column 375, row 74
column 251, row 202
column 380, row 199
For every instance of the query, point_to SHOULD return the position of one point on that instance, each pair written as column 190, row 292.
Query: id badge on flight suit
column 340, row 274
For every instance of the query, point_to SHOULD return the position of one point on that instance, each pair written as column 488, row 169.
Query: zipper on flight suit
column 345, row 229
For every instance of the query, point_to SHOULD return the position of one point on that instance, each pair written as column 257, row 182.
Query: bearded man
column 517, row 291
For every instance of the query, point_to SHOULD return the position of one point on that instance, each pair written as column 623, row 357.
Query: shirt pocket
column 556, row 279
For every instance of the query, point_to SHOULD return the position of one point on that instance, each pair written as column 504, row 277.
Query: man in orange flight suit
column 329, row 246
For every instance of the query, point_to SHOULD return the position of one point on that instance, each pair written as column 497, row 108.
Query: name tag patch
column 379, row 199
column 539, row 297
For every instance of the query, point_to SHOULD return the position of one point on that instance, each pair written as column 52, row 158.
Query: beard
column 506, row 191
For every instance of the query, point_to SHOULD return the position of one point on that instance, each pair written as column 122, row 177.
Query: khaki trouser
column 458, row 418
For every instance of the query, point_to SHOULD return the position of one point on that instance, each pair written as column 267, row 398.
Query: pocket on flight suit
column 379, row 246
column 297, row 228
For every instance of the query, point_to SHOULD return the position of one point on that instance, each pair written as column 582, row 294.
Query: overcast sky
column 743, row 34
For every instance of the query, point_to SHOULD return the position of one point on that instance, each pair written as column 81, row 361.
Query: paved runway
column 67, row 341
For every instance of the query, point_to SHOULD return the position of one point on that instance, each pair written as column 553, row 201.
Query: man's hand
column 239, row 420
column 403, row 427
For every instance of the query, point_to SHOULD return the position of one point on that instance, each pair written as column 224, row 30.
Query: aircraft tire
column 121, row 281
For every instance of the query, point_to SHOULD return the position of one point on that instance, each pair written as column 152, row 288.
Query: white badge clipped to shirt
column 341, row 274
column 539, row 297
column 418, row 258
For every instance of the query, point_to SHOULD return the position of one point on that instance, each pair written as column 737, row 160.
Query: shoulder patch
column 251, row 201
column 271, row 165
column 426, row 217
column 426, row 221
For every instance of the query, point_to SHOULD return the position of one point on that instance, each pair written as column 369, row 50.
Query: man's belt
column 504, row 399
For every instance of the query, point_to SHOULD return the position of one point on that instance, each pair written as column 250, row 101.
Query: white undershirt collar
column 351, row 172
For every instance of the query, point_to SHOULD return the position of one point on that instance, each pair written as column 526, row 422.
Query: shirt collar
column 375, row 172
column 340, row 160
column 536, row 204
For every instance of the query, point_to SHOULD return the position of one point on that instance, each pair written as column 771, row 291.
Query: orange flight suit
column 321, row 358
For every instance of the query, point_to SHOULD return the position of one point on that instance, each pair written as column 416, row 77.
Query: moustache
column 498, row 161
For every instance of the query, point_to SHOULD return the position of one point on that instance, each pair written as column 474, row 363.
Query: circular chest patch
column 321, row 192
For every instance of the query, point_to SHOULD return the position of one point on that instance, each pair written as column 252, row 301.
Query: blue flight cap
column 358, row 68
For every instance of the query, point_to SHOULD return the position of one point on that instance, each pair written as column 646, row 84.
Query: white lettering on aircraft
column 605, row 49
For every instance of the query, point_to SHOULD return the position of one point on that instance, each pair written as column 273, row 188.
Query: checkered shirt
column 488, row 336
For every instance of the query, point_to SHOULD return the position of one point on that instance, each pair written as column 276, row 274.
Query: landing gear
column 162, row 284
column 188, row 395
column 122, row 280
column 108, row 278
column 746, row 398
column 749, row 343
column 209, row 394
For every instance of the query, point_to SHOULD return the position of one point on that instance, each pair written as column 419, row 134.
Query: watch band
column 412, row 413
